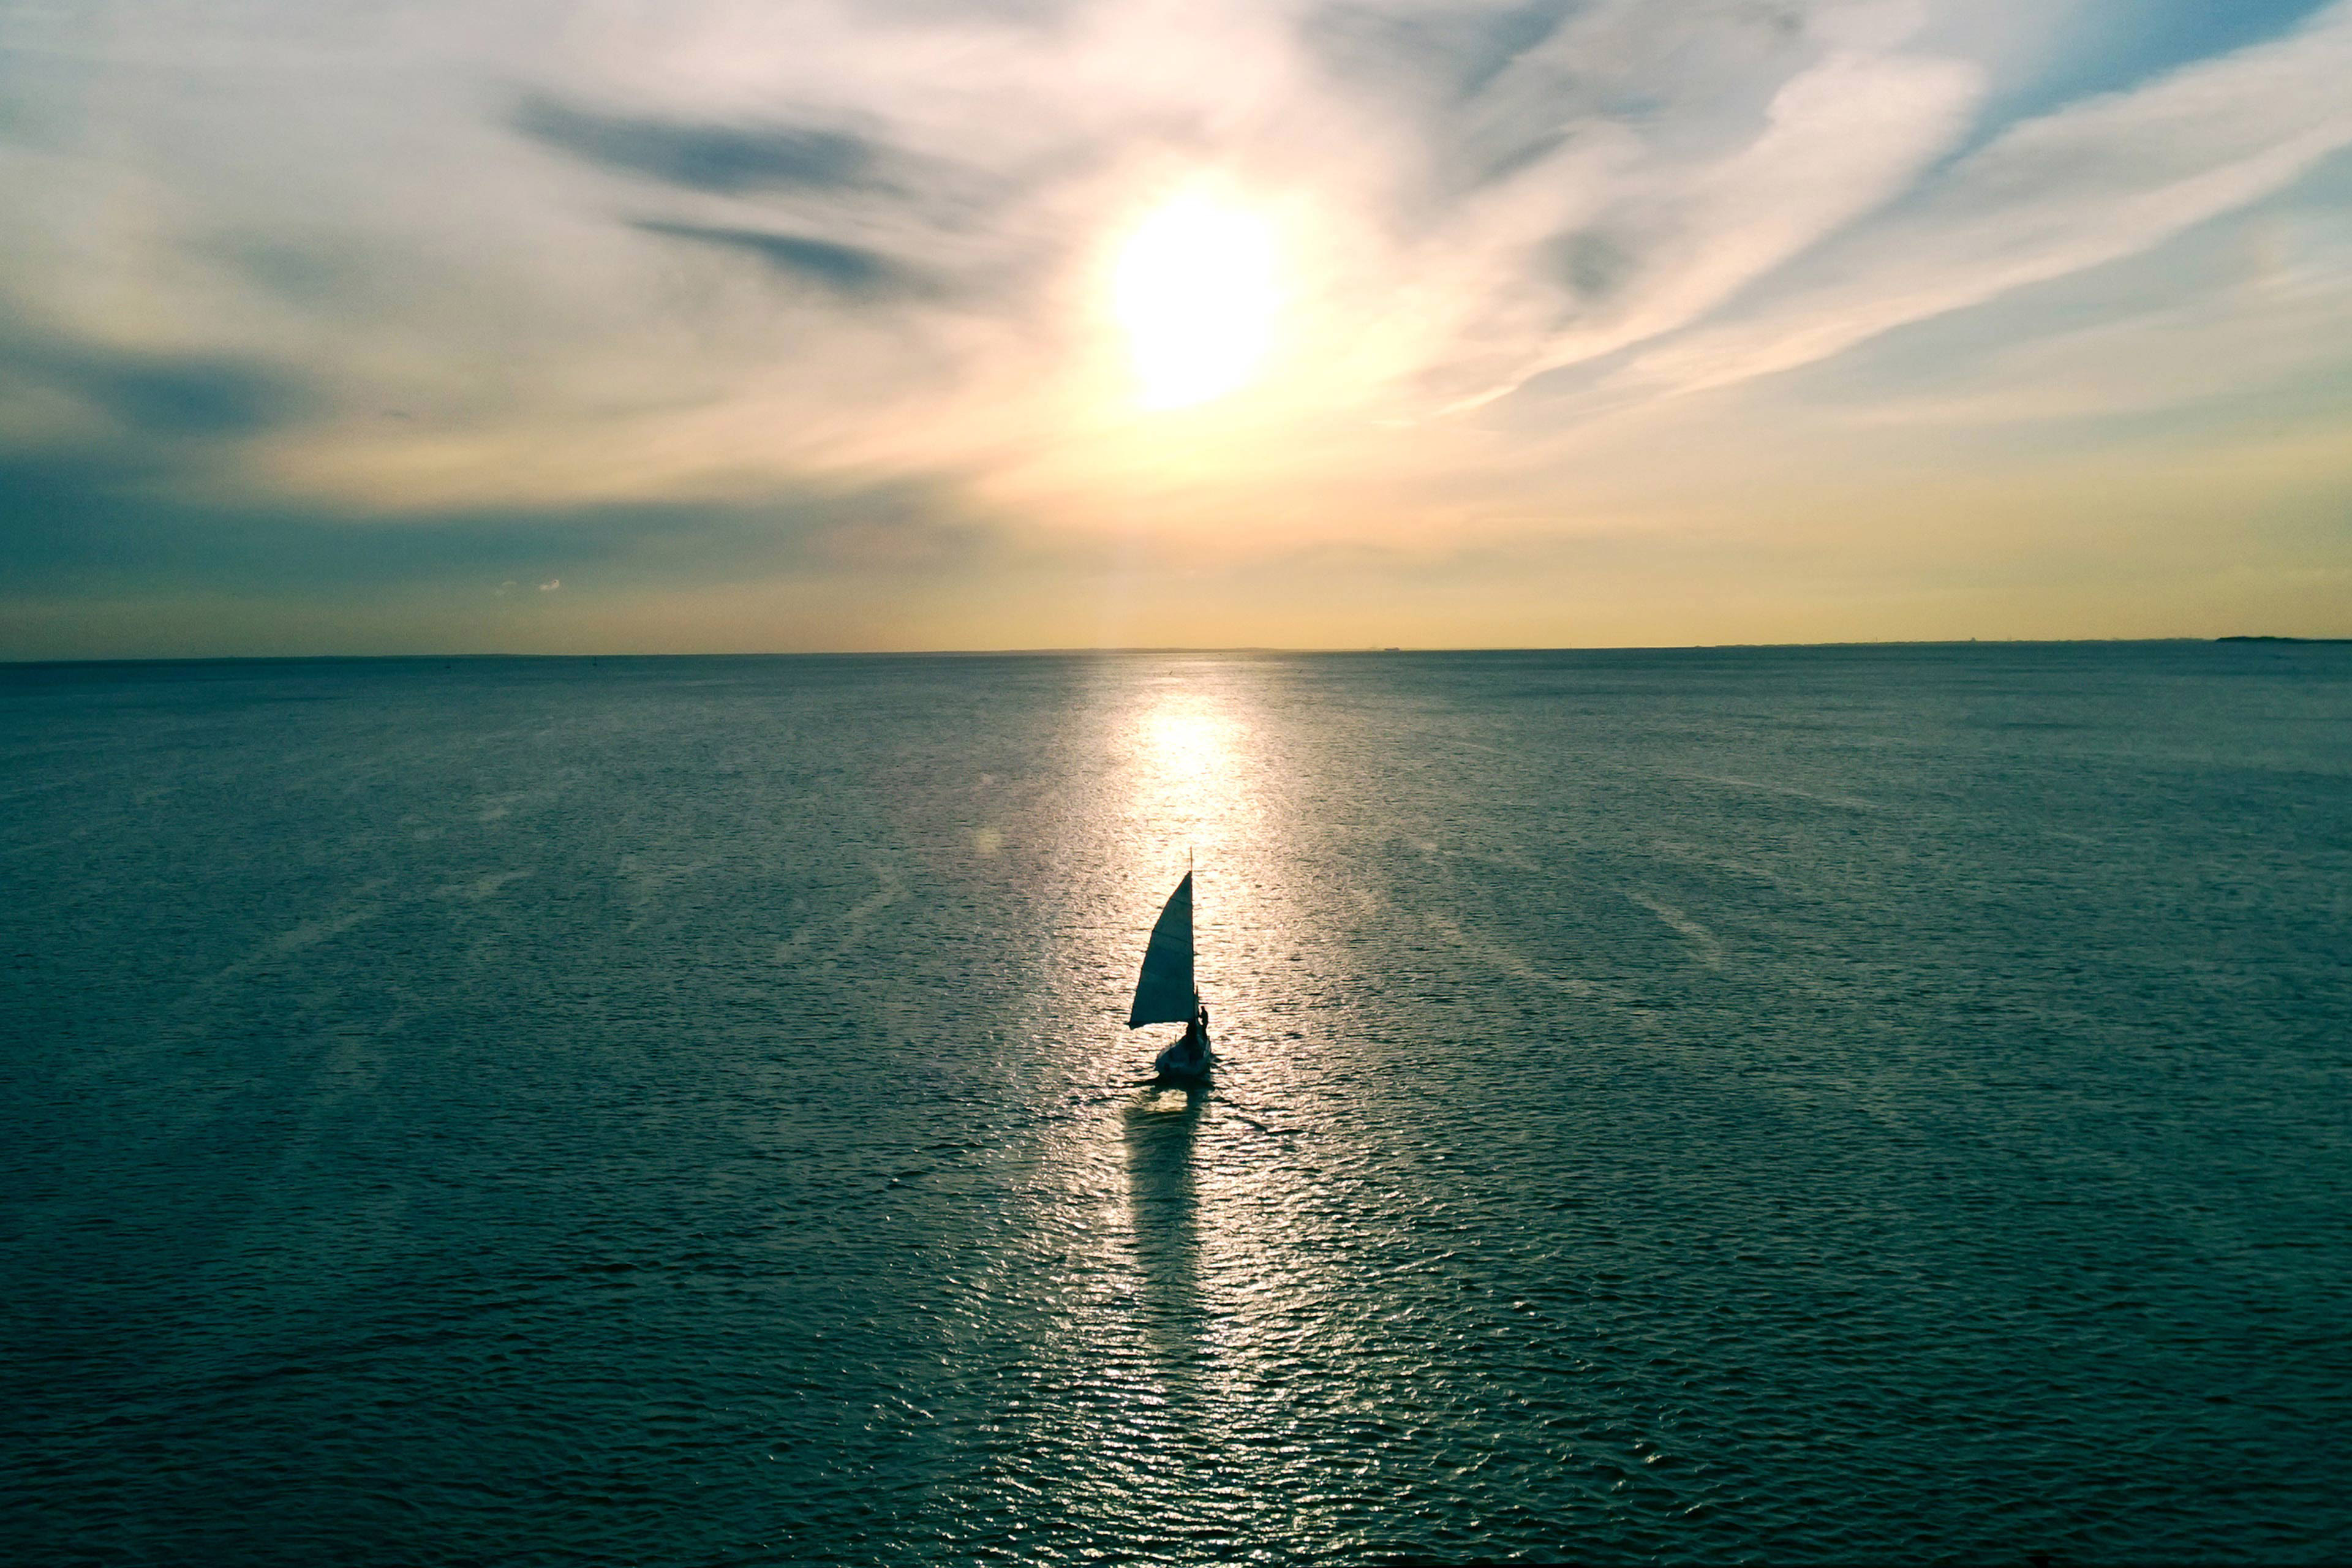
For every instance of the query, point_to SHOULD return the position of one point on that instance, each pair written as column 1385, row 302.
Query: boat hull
column 1184, row 1063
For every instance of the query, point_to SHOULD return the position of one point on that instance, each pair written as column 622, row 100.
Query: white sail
column 1163, row 992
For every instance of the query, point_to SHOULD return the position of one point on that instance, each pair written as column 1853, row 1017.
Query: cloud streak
column 2058, row 195
column 851, row 270
column 726, row 160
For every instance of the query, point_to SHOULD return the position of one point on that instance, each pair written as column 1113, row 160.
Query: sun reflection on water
column 1216, row 1274
column 1191, row 787
column 1186, row 1267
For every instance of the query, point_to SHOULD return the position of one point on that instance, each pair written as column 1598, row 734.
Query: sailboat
column 1164, row 992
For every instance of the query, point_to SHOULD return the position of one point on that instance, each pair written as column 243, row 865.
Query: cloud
column 2055, row 195
column 188, row 397
column 1840, row 139
column 849, row 270
column 83, row 523
column 726, row 160
column 158, row 395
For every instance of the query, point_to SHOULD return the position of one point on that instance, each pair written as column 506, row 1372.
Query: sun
column 1195, row 290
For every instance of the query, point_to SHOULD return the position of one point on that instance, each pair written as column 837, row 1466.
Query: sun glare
column 1195, row 292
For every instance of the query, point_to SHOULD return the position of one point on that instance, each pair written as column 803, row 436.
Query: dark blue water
column 1790, row 1105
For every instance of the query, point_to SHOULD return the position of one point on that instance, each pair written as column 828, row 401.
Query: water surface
column 1799, row 1105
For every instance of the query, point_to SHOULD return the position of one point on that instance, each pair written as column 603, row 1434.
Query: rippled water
column 1801, row 1105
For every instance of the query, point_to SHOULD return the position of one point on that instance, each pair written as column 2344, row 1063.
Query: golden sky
column 708, row 327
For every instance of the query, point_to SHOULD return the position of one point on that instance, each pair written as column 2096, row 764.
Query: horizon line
column 1144, row 650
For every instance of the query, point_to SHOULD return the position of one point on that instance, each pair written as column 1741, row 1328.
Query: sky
column 715, row 325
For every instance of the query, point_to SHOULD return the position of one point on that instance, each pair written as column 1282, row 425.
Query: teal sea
column 1793, row 1105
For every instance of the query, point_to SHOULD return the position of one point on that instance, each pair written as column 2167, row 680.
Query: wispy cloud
column 1841, row 138
column 2070, row 191
column 849, row 270
column 728, row 159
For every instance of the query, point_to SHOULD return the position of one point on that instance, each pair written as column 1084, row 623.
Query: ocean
column 1785, row 1104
